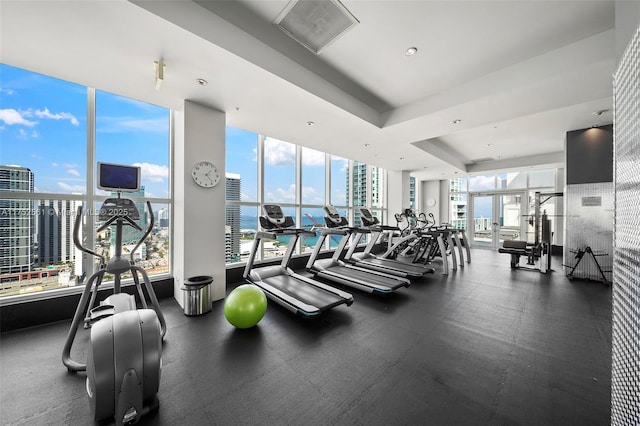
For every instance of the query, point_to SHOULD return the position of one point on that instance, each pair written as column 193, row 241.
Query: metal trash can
column 197, row 295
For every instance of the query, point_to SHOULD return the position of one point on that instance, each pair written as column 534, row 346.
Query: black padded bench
column 516, row 249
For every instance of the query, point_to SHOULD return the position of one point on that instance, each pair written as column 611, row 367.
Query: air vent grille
column 315, row 23
column 483, row 160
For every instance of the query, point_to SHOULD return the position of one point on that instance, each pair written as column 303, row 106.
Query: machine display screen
column 118, row 177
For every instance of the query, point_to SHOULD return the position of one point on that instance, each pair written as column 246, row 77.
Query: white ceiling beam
column 440, row 150
column 554, row 159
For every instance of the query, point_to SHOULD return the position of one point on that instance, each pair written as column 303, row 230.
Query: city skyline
column 43, row 128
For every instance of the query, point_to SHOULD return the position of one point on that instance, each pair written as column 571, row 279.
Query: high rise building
column 227, row 244
column 130, row 235
column 232, row 188
column 412, row 193
column 357, row 188
column 55, row 231
column 17, row 222
column 458, row 200
column 163, row 218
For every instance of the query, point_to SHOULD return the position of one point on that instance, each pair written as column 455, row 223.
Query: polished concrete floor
column 485, row 345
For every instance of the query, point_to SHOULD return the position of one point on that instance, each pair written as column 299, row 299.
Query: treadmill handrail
column 334, row 231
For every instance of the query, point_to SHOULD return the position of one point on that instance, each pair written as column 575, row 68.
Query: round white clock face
column 205, row 174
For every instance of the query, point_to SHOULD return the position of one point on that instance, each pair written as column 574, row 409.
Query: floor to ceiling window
column 496, row 207
column 301, row 180
column 45, row 175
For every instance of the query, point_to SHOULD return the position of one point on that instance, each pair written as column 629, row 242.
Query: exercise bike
column 124, row 357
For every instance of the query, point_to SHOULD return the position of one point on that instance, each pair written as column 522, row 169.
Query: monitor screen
column 118, row 177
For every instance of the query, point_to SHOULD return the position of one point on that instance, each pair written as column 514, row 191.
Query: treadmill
column 370, row 261
column 299, row 294
column 336, row 270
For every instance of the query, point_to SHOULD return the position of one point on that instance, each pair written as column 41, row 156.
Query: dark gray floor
column 485, row 346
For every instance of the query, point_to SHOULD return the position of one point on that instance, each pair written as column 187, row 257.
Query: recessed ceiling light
column 310, row 123
column 489, row 144
column 457, row 121
column 202, row 81
column 600, row 112
column 402, row 158
column 367, row 144
column 237, row 108
column 411, row 51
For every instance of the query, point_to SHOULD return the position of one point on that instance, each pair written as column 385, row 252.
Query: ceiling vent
column 483, row 160
column 315, row 23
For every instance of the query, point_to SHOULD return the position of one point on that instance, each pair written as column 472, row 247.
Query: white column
column 199, row 213
column 397, row 191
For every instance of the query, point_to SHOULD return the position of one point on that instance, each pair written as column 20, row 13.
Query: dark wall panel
column 38, row 312
column 590, row 155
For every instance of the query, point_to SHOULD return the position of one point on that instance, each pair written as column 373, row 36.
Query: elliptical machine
column 124, row 357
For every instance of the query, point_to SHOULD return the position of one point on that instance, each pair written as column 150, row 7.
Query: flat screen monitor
column 118, row 177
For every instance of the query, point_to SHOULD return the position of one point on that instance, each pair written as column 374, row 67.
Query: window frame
column 90, row 198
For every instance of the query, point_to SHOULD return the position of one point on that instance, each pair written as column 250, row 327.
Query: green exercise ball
column 245, row 306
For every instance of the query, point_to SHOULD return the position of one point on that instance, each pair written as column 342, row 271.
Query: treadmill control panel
column 333, row 218
column 274, row 218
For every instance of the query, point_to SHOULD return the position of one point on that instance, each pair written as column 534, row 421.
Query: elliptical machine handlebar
column 76, row 238
column 88, row 296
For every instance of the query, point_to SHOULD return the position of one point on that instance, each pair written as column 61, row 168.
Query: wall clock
column 205, row 174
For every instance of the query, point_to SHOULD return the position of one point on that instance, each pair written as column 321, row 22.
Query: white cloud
column 71, row 188
column 57, row 116
column 7, row 91
column 10, row 116
column 311, row 157
column 153, row 172
column 311, row 196
column 343, row 162
column 278, row 153
column 73, row 172
column 282, row 194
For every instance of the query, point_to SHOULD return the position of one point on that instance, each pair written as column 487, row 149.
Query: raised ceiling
column 518, row 74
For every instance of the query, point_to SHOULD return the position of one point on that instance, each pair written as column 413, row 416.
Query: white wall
column 627, row 17
column 199, row 213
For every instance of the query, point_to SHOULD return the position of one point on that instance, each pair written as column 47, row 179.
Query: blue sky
column 279, row 170
column 43, row 127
